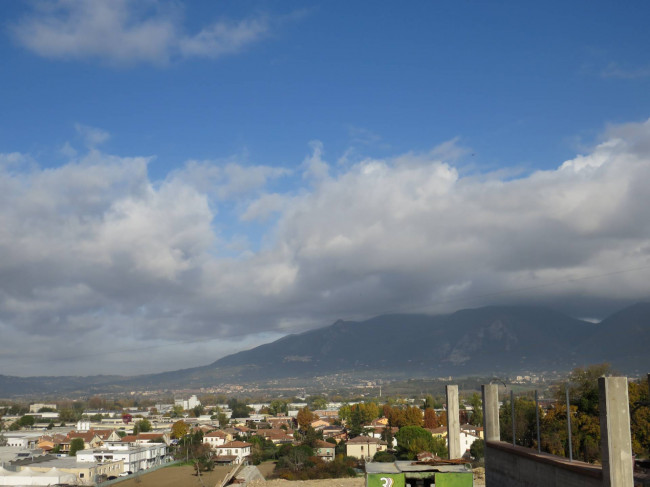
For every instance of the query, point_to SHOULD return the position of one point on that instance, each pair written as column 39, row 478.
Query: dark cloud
column 96, row 258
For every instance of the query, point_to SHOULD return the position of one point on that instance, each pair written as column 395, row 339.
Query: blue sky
column 228, row 172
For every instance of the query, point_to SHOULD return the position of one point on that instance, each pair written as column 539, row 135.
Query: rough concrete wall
column 506, row 469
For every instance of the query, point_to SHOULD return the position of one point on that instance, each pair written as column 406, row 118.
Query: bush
column 383, row 457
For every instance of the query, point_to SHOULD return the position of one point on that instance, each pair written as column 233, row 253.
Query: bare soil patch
column 177, row 477
column 355, row 482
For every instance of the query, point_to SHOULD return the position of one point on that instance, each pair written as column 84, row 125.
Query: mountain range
column 493, row 340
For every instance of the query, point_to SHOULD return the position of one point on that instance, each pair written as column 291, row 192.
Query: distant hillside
column 494, row 340
column 484, row 340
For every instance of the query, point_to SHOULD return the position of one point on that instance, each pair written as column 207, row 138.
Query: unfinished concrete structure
column 453, row 423
column 513, row 466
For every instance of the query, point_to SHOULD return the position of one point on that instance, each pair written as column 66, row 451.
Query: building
column 217, row 438
column 364, row 447
column 410, row 473
column 233, row 452
column 190, row 403
column 36, row 407
column 325, row 451
column 134, row 458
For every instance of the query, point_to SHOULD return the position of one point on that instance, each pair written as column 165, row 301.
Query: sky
column 184, row 180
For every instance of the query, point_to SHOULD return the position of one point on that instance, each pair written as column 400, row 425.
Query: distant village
column 105, row 444
column 101, row 440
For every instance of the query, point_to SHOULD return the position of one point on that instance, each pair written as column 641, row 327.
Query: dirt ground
column 357, row 482
column 177, row 477
column 184, row 477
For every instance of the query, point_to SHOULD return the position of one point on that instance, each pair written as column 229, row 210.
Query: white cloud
column 227, row 179
column 128, row 31
column 95, row 252
column 224, row 38
column 614, row 70
column 92, row 136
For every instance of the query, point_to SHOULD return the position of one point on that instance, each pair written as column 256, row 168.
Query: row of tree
column 585, row 420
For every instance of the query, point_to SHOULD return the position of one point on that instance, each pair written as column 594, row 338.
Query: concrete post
column 453, row 423
column 490, row 393
column 616, row 440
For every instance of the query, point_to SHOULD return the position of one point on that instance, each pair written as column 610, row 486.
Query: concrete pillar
column 491, row 429
column 616, row 440
column 453, row 423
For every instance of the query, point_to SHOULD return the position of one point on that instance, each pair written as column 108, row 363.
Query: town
column 97, row 440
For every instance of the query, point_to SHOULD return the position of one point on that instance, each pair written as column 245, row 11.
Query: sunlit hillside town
column 40, row 443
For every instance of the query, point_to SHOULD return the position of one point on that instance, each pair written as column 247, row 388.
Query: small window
column 81, row 475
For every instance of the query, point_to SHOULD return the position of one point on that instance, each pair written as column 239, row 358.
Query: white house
column 135, row 459
column 466, row 440
column 216, row 438
column 233, row 452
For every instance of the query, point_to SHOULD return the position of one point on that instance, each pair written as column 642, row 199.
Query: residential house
column 233, row 452
column 466, row 440
column 49, row 442
column 319, row 424
column 439, row 432
column 277, row 421
column 324, row 450
column 364, row 447
column 277, row 436
column 336, row 432
column 475, row 430
column 217, row 438
column 90, row 439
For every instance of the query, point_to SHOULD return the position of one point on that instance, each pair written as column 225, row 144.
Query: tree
column 428, row 402
column 477, row 414
column 355, row 426
column 278, row 406
column 477, row 449
column 180, row 429
column 239, row 408
column 430, row 419
column 27, row 420
column 640, row 417
column 311, row 436
column 305, row 418
column 127, row 418
column 383, row 456
column 317, row 402
column 412, row 440
column 76, row 445
column 413, row 416
column 144, row 425
column 69, row 415
column 345, row 412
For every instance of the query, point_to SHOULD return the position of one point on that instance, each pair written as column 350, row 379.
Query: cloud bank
column 94, row 255
column 129, row 31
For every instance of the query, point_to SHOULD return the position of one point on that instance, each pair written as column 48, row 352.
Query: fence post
column 568, row 423
column 539, row 441
column 512, row 417
column 615, row 437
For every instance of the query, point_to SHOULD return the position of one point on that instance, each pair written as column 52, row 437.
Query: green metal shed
column 419, row 474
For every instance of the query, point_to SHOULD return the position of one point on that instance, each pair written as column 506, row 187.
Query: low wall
column 515, row 466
